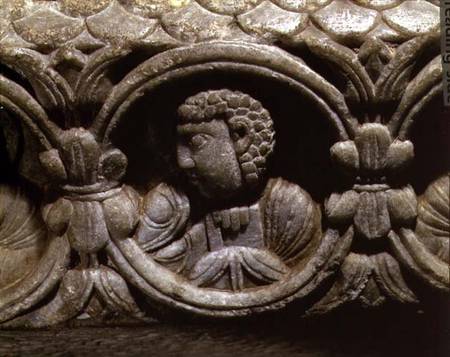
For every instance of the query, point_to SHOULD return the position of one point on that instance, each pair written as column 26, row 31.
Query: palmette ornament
column 372, row 205
column 219, row 159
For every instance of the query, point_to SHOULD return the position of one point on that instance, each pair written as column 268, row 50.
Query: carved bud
column 122, row 213
column 113, row 164
column 53, row 165
column 80, row 153
column 57, row 215
column 346, row 155
column 372, row 141
column 400, row 154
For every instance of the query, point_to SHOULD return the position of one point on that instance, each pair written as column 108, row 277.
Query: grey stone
column 219, row 159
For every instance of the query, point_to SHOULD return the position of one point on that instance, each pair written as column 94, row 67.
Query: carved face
column 206, row 153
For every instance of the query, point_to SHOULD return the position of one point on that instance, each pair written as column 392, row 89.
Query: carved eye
column 198, row 140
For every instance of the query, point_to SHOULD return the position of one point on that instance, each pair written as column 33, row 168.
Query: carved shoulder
column 291, row 219
column 164, row 215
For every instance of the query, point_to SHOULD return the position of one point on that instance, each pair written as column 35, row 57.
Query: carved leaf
column 114, row 291
column 417, row 258
column 52, row 164
column 396, row 77
column 51, row 89
column 263, row 266
column 80, row 153
column 173, row 254
column 260, row 265
column 402, row 205
column 73, row 294
column 352, row 279
column 32, row 288
column 390, row 279
column 157, row 282
column 359, row 88
column 420, row 91
column 210, row 268
column 371, row 295
column 374, row 54
column 341, row 208
column 93, row 85
column 113, row 164
column 20, row 103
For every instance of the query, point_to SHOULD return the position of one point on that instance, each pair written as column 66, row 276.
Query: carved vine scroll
column 218, row 159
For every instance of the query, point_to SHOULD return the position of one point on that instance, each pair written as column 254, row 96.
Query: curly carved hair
column 250, row 125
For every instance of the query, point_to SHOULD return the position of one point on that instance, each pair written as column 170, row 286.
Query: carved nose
column 184, row 159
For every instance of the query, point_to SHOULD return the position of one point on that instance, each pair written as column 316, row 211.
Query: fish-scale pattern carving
column 349, row 22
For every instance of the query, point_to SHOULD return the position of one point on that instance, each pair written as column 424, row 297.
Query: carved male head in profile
column 225, row 138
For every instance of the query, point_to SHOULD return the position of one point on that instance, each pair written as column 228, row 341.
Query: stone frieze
column 219, row 158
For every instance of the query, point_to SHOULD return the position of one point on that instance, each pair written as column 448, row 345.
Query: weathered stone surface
column 413, row 18
column 114, row 24
column 346, row 20
column 268, row 20
column 219, row 159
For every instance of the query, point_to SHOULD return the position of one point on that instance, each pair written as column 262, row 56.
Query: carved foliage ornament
column 216, row 230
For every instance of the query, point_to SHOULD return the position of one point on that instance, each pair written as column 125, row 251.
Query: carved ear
column 241, row 133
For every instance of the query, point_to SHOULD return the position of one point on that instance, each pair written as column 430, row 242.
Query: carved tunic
column 271, row 234
column 336, row 101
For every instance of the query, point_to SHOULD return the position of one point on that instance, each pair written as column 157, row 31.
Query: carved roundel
column 218, row 175
column 238, row 256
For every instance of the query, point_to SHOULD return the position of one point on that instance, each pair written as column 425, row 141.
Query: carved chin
column 215, row 191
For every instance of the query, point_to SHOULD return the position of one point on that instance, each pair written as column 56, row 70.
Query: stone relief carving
column 224, row 140
column 217, row 159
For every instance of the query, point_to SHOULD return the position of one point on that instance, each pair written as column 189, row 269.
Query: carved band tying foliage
column 215, row 234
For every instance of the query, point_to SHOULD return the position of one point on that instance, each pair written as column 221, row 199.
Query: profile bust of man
column 224, row 139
